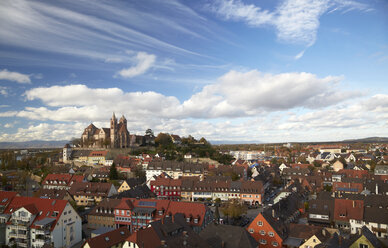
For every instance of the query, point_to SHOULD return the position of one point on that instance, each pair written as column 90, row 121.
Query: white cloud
column 144, row 62
column 8, row 125
column 14, row 76
column 295, row 21
column 235, row 94
column 45, row 131
column 3, row 91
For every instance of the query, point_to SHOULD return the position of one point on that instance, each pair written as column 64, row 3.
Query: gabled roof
column 346, row 209
column 43, row 208
column 218, row 236
column 6, row 197
column 109, row 239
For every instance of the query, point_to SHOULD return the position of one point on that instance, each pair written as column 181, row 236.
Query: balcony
column 18, row 226
column 26, row 219
column 42, row 232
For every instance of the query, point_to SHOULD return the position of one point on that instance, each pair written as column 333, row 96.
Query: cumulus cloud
column 235, row 94
column 239, row 105
column 144, row 62
column 295, row 21
column 45, row 131
column 14, row 76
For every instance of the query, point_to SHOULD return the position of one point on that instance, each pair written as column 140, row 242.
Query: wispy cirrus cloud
column 295, row 21
column 78, row 30
column 15, row 76
column 144, row 62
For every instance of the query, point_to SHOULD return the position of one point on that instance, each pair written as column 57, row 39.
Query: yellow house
column 366, row 239
column 97, row 157
column 129, row 184
column 311, row 242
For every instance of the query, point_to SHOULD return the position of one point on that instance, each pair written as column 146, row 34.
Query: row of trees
column 199, row 148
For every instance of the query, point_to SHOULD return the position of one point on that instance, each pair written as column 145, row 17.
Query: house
column 129, row 184
column 337, row 165
column 61, row 181
column 97, row 157
column 270, row 227
column 59, row 194
column 102, row 215
column 301, row 235
column 167, row 188
column 35, row 222
column 169, row 231
column 176, row 139
column 321, row 211
column 5, row 198
column 346, row 210
column 365, row 239
column 347, row 187
column 91, row 193
column 227, row 236
column 349, row 158
column 282, row 167
column 114, row 239
column 381, row 170
column 138, row 213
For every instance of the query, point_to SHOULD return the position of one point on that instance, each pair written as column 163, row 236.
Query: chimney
column 324, row 232
column 354, row 204
column 377, row 189
column 273, row 213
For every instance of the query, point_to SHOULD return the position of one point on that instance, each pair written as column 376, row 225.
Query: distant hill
column 233, row 142
column 33, row 144
column 368, row 140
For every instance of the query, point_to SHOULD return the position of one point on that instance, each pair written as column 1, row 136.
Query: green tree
column 113, row 174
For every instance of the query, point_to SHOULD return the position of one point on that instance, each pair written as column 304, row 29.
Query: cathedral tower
column 113, row 131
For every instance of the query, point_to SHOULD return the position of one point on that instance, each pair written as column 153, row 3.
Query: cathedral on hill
column 117, row 136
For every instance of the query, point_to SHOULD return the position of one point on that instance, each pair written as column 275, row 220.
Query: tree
column 149, row 132
column 140, row 173
column 234, row 209
column 163, row 140
column 113, row 174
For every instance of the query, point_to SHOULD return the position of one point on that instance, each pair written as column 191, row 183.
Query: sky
column 226, row 70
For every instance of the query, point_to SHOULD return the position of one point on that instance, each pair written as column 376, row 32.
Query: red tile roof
column 66, row 178
column 345, row 209
column 109, row 239
column 6, row 197
column 43, row 207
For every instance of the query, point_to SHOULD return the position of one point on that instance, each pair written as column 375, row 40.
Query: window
column 274, row 243
column 363, row 246
column 260, row 223
column 251, row 230
column 263, row 241
column 262, row 232
column 271, row 234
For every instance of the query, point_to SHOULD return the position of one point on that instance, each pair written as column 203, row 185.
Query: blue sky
column 254, row 71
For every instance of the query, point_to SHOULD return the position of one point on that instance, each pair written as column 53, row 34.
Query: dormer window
column 188, row 219
column 196, row 220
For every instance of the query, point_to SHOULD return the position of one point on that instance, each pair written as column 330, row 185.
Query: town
column 113, row 189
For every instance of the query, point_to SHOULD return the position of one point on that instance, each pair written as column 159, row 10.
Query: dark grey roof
column 44, row 221
column 293, row 242
column 143, row 210
column 218, row 236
